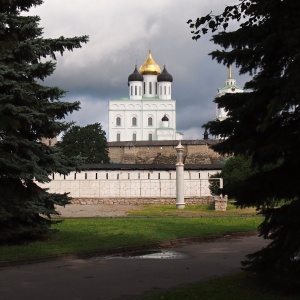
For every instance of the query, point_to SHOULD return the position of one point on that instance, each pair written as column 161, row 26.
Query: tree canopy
column 29, row 111
column 264, row 122
column 88, row 142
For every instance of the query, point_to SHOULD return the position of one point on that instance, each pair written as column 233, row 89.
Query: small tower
column 165, row 121
column 135, row 84
column 165, row 80
column 205, row 134
column 150, row 69
column 230, row 87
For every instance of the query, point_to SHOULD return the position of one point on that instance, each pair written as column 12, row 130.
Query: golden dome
column 149, row 67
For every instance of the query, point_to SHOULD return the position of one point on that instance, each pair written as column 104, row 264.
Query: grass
column 191, row 211
column 83, row 235
column 233, row 287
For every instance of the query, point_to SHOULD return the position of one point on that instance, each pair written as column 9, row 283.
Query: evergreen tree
column 28, row 112
column 88, row 142
column 264, row 122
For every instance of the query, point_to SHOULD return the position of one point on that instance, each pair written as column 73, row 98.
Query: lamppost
column 180, row 177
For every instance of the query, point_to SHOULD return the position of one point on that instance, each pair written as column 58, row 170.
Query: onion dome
column 165, row 118
column 165, row 76
column 135, row 76
column 150, row 67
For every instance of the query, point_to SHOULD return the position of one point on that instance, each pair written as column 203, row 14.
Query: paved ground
column 124, row 278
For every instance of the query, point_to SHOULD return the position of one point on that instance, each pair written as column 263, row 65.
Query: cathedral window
column 118, row 137
column 135, row 90
column 134, row 121
column 150, row 88
column 118, row 121
column 150, row 122
column 155, row 88
column 144, row 88
column 134, row 137
column 131, row 90
column 150, row 137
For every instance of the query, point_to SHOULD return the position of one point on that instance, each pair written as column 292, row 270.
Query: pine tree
column 88, row 142
column 264, row 123
column 29, row 111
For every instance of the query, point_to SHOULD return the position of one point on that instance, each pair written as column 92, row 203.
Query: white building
column 149, row 113
column 229, row 87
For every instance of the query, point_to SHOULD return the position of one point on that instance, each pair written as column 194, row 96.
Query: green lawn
column 191, row 211
column 83, row 235
column 234, row 287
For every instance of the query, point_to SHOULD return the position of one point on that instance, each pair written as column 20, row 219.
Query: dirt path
column 94, row 211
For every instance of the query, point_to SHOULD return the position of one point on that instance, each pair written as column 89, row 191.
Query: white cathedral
column 149, row 113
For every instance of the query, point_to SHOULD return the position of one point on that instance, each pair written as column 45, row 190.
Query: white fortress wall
column 130, row 183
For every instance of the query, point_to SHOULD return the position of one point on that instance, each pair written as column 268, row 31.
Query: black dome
column 165, row 118
column 165, row 76
column 135, row 76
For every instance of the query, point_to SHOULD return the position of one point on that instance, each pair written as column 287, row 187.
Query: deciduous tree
column 88, row 142
column 264, row 122
column 29, row 111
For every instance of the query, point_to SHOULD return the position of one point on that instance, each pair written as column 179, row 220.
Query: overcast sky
column 121, row 33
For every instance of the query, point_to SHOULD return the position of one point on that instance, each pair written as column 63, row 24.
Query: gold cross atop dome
column 149, row 67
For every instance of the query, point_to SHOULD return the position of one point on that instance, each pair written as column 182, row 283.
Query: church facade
column 149, row 112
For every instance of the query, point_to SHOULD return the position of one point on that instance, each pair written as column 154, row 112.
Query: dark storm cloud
column 121, row 33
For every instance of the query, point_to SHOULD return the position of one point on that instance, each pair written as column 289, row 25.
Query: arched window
column 150, row 88
column 135, row 90
column 150, row 137
column 118, row 137
column 131, row 90
column 134, row 137
column 155, row 88
column 118, row 121
column 134, row 121
column 150, row 121
column 144, row 87
column 140, row 91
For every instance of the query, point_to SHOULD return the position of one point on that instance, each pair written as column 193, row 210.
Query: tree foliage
column 88, row 142
column 235, row 170
column 264, row 122
column 28, row 112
